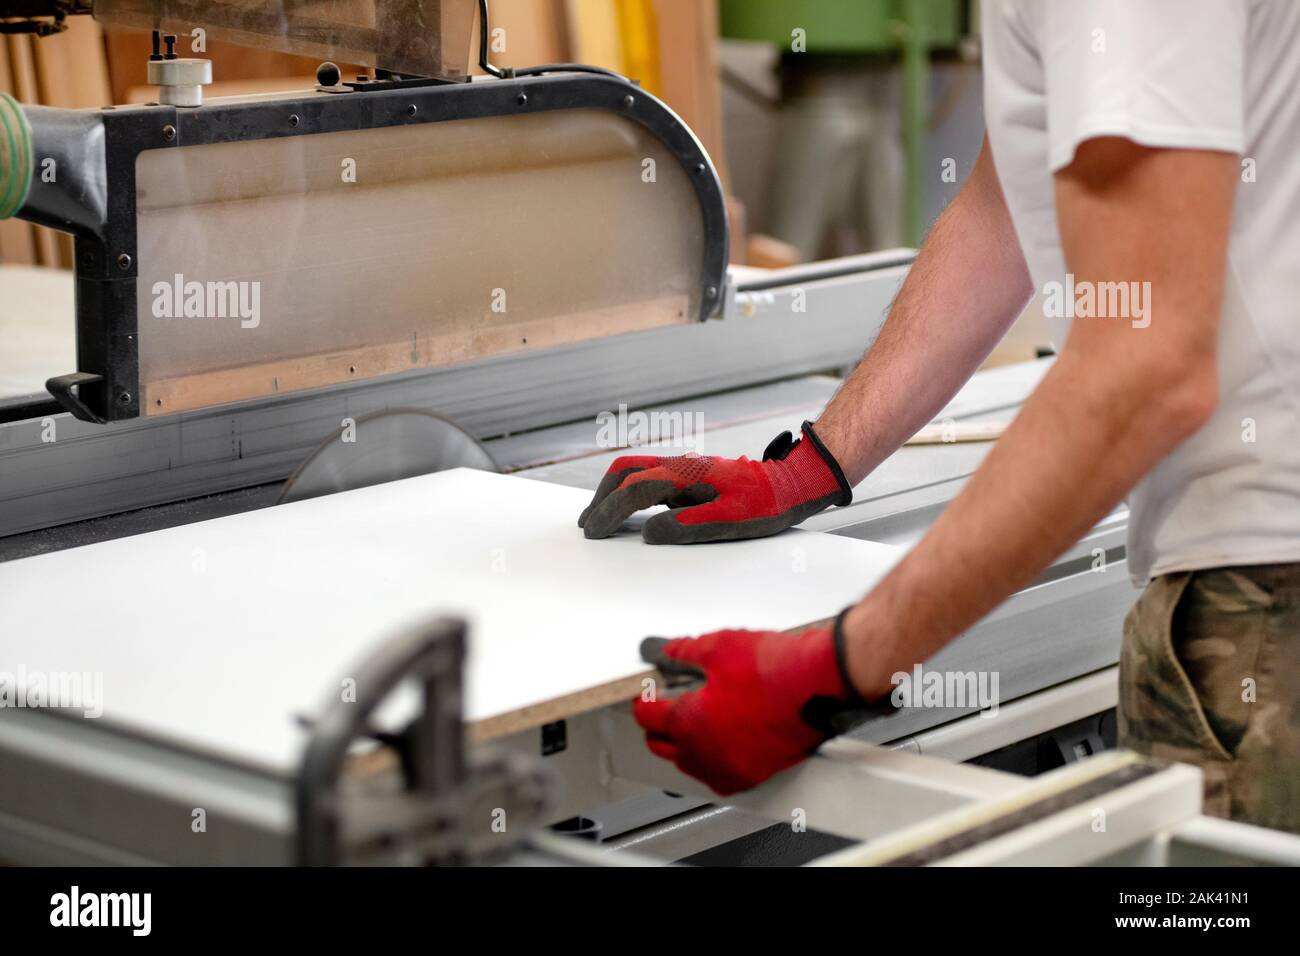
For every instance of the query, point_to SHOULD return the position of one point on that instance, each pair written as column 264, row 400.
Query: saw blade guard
column 254, row 247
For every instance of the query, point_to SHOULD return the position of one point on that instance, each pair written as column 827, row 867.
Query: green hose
column 15, row 156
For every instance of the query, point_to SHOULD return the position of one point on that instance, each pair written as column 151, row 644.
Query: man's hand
column 768, row 701
column 719, row 499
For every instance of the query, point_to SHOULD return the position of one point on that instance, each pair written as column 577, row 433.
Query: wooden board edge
column 559, row 708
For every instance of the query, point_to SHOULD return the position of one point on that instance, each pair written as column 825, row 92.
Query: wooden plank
column 67, row 250
column 767, row 252
column 593, row 30
column 72, row 67
column 945, row 433
column 6, row 73
column 47, row 247
column 17, row 243
column 225, row 635
column 263, row 379
column 688, row 64
column 22, row 67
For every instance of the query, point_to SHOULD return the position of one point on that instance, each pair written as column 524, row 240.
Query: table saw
column 309, row 327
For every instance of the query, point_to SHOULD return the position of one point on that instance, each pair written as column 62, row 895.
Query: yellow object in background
column 638, row 30
column 622, row 35
column 594, row 34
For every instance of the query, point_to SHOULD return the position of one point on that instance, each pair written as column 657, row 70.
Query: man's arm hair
column 968, row 284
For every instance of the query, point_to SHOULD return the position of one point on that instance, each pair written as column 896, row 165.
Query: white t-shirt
column 1201, row 74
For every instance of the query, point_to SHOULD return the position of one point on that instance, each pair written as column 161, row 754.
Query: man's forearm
column 968, row 284
column 1121, row 396
column 1079, row 444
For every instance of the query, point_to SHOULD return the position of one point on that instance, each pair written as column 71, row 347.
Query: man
column 1144, row 152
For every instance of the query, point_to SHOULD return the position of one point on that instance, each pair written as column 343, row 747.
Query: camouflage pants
column 1210, row 675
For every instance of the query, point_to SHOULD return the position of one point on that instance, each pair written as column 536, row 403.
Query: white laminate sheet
column 219, row 634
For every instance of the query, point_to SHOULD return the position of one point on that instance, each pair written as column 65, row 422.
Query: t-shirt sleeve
column 1162, row 73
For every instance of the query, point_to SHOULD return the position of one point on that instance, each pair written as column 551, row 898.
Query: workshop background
column 368, row 577
column 836, row 128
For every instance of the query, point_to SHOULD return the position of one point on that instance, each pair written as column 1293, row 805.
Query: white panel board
column 219, row 634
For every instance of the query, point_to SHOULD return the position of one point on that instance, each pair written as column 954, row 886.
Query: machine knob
column 328, row 74
column 180, row 82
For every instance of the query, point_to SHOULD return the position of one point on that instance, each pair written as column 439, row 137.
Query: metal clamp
column 61, row 387
column 437, row 808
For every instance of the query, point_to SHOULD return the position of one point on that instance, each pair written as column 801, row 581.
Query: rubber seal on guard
column 16, row 158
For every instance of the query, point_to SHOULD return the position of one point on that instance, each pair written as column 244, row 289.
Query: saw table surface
column 224, row 634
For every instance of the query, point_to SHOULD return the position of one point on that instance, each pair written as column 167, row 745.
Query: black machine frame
column 106, row 386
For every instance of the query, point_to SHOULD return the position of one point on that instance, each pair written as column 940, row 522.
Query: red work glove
column 769, row 700
column 719, row 499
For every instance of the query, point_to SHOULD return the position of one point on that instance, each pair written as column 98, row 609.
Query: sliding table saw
column 302, row 304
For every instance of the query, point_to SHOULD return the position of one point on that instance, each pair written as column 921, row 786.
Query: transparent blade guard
column 297, row 262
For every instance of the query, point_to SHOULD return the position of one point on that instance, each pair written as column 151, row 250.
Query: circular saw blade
column 386, row 446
